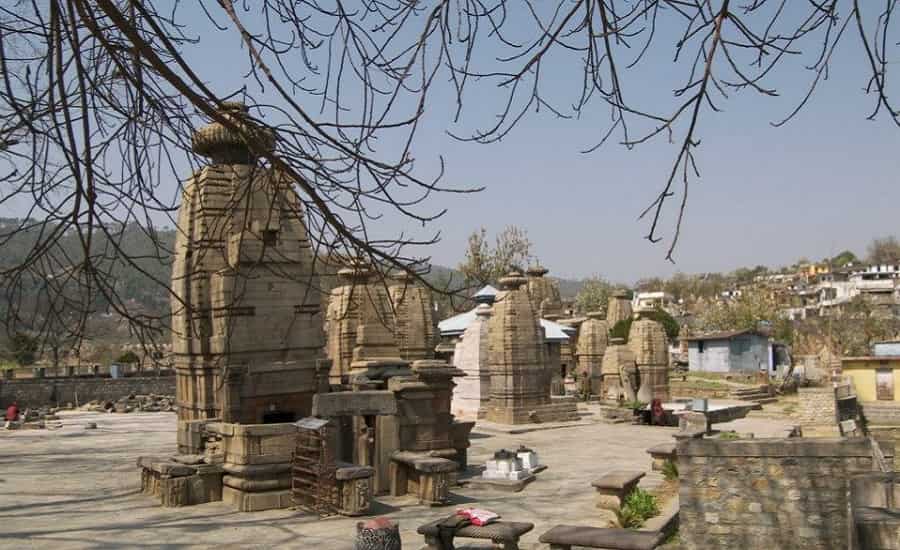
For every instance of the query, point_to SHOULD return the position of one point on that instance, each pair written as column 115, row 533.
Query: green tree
column 593, row 295
column 24, row 348
column 670, row 325
column 844, row 258
column 128, row 357
column 745, row 313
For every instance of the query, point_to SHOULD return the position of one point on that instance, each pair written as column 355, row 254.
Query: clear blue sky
column 824, row 183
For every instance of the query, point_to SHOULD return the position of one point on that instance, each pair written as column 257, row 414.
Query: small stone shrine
column 567, row 362
column 510, row 470
column 647, row 341
column 414, row 312
column 544, row 293
column 472, row 394
column 619, row 307
column 520, row 382
column 592, row 339
column 341, row 320
column 618, row 364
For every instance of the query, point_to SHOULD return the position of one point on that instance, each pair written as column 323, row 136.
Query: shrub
column 670, row 470
column 638, row 507
column 634, row 405
column 128, row 357
column 729, row 436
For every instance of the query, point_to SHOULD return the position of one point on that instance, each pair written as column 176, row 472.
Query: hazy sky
column 824, row 183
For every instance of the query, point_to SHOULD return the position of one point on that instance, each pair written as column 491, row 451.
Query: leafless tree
column 99, row 99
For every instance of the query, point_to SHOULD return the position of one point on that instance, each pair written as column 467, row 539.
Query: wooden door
column 884, row 384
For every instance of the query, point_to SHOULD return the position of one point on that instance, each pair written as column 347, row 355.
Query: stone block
column 614, row 487
column 357, row 403
column 256, row 502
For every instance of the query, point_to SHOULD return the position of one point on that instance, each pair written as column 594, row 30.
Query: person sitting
column 12, row 412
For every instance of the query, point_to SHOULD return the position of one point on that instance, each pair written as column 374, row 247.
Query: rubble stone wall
column 886, row 413
column 50, row 391
column 817, row 406
column 768, row 493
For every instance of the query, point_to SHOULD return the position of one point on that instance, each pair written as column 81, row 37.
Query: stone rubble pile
column 132, row 403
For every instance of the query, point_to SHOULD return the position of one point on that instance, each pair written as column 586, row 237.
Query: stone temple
column 414, row 313
column 247, row 328
column 619, row 307
column 648, row 343
column 593, row 336
column 544, row 293
column 520, row 379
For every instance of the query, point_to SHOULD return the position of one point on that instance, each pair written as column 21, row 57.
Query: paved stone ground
column 77, row 488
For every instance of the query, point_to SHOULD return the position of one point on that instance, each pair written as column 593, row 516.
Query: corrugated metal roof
column 456, row 324
column 452, row 326
column 724, row 335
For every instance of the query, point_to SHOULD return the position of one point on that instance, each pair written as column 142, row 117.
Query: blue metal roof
column 456, row 325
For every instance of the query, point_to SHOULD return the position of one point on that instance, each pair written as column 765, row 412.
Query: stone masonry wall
column 817, row 406
column 768, row 493
column 50, row 391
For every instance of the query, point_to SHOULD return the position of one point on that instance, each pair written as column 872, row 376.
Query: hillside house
column 741, row 351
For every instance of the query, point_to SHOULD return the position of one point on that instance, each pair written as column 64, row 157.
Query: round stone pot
column 377, row 534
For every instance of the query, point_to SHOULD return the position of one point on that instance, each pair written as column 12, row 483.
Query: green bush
column 638, row 507
column 634, row 405
column 729, row 436
column 670, row 325
column 670, row 470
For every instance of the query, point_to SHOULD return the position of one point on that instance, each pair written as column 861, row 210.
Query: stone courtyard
column 76, row 488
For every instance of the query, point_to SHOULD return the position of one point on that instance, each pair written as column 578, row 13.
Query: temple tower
column 472, row 394
column 592, row 339
column 247, row 328
column 618, row 363
column 414, row 315
column 520, row 385
column 619, row 307
column 647, row 341
column 358, row 300
column 544, row 293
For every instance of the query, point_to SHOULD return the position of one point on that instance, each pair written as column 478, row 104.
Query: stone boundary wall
column 38, row 392
column 884, row 413
column 689, row 389
column 768, row 493
column 817, row 406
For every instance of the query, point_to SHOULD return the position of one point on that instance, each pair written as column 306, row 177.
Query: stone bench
column 428, row 477
column 354, row 484
column 178, row 484
column 662, row 453
column 504, row 533
column 564, row 537
column 613, row 487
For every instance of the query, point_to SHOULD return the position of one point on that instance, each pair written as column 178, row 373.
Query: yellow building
column 874, row 378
